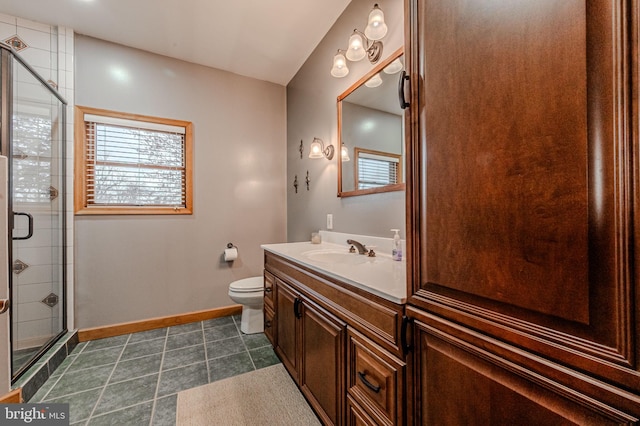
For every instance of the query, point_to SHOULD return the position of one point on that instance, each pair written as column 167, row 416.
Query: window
column 132, row 164
column 375, row 168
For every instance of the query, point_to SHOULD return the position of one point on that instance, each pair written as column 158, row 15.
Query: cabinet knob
column 268, row 289
column 267, row 323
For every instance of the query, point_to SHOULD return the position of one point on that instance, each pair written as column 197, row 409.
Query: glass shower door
column 36, row 180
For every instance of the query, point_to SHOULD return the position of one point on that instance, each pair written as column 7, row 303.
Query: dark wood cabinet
column 522, row 191
column 311, row 346
column 323, row 352
column 341, row 345
column 288, row 329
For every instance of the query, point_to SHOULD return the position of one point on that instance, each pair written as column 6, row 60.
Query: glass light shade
column 344, row 153
column 356, row 50
column 317, row 149
column 374, row 81
column 393, row 67
column 376, row 28
column 339, row 68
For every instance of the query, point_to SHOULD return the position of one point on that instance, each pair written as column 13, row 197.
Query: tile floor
column 134, row 379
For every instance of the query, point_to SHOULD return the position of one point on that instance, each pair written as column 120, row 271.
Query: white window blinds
column 376, row 170
column 134, row 163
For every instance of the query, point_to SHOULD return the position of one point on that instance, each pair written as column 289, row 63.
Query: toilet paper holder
column 230, row 253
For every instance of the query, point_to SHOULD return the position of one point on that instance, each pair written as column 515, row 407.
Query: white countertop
column 380, row 275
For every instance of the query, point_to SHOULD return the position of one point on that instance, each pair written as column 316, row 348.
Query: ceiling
column 267, row 39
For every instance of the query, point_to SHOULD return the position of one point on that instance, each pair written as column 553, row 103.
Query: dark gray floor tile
column 225, row 347
column 65, row 364
column 79, row 348
column 149, row 347
column 264, row 357
column 164, row 413
column 80, row 404
column 148, row 335
column 221, row 368
column 31, row 386
column 82, row 380
column 96, row 358
column 138, row 367
column 254, row 341
column 183, row 357
column 108, row 342
column 41, row 394
column 138, row 415
column 130, row 392
column 221, row 332
column 216, row 322
column 172, row 381
column 185, row 328
column 185, row 339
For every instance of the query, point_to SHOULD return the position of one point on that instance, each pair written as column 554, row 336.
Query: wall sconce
column 362, row 44
column 344, row 153
column 319, row 151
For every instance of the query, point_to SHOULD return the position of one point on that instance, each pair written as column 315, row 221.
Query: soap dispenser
column 396, row 249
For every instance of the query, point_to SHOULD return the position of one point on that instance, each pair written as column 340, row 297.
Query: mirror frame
column 341, row 97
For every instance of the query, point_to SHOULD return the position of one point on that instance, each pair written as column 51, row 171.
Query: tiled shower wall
column 50, row 51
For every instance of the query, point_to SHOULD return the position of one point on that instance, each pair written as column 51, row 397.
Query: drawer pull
column 363, row 379
column 406, row 346
column 296, row 307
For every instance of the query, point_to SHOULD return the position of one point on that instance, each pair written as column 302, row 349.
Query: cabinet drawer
column 269, row 281
column 375, row 379
column 356, row 416
column 269, row 325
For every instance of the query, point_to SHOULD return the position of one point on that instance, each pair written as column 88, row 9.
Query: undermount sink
column 333, row 256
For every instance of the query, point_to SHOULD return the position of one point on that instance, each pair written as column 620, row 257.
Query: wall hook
column 295, row 183
column 307, row 180
column 301, row 149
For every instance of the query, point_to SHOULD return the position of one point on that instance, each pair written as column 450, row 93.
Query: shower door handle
column 30, row 233
column 4, row 305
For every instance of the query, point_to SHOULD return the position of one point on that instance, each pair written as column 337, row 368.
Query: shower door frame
column 6, row 134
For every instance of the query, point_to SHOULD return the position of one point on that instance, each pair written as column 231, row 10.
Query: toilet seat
column 247, row 285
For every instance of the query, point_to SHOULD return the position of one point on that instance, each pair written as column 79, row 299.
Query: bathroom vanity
column 335, row 319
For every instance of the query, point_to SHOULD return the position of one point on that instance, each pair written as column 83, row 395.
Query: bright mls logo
column 34, row 414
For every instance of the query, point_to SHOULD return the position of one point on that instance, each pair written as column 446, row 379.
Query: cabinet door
column 523, row 175
column 323, row 366
column 287, row 329
column 464, row 384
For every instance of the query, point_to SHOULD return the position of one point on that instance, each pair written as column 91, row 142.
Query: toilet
column 249, row 293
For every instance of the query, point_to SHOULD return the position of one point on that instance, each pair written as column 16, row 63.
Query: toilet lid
column 247, row 285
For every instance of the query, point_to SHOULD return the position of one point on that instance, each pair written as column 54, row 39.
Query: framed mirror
column 371, row 132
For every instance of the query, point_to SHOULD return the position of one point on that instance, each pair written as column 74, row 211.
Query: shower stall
column 32, row 137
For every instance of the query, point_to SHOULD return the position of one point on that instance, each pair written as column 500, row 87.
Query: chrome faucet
column 359, row 246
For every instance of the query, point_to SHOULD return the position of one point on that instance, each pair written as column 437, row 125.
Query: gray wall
column 311, row 112
column 138, row 267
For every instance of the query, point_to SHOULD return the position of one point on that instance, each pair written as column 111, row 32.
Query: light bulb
column 376, row 28
column 374, row 81
column 356, row 49
column 339, row 68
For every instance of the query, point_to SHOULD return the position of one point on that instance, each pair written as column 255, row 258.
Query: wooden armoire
column 523, row 189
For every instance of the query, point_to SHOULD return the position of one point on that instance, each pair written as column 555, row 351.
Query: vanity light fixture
column 344, row 153
column 362, row 44
column 319, row 151
column 374, row 81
